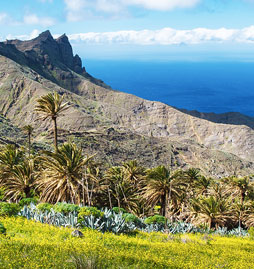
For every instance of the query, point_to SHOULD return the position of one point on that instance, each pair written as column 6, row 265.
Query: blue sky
column 166, row 29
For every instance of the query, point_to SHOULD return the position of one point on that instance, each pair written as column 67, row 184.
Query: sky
column 138, row 29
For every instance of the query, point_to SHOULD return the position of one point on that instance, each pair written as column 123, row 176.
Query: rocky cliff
column 116, row 125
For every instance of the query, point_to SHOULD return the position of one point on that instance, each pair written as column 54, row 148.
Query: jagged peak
column 63, row 38
column 44, row 36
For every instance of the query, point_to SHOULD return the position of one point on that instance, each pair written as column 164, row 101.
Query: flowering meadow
column 28, row 244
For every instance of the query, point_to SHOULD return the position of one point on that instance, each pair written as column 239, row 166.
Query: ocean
column 204, row 86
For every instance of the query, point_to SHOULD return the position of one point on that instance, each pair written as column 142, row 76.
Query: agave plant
column 50, row 217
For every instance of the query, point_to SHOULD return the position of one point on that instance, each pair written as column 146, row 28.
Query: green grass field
column 34, row 245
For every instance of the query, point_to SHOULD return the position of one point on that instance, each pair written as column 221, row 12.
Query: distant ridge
column 235, row 118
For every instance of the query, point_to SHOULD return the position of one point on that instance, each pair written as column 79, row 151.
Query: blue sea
column 204, row 86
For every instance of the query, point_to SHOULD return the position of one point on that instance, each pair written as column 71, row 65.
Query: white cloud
column 32, row 35
column 163, row 4
column 167, row 36
column 78, row 10
column 33, row 19
column 75, row 9
column 3, row 17
column 6, row 19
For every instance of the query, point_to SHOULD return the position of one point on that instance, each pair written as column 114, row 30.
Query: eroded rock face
column 29, row 69
column 49, row 51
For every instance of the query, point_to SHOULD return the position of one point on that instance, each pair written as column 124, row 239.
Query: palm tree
column 162, row 187
column 61, row 175
column 120, row 189
column 212, row 210
column 133, row 171
column 91, row 183
column 240, row 186
column 243, row 212
column 21, row 181
column 10, row 156
column 28, row 129
column 51, row 106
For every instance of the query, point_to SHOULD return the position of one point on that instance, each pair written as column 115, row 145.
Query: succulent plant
column 107, row 220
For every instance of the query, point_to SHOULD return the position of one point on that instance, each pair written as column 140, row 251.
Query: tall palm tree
column 28, row 129
column 61, row 175
column 51, row 106
column 162, row 187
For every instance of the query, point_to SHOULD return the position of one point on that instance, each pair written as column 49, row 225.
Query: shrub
column 27, row 201
column 251, row 232
column 155, row 219
column 119, row 210
column 89, row 211
column 2, row 229
column 65, row 208
column 43, row 207
column 7, row 209
column 131, row 218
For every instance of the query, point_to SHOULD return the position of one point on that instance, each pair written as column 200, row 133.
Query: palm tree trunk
column 163, row 205
column 109, row 197
column 55, row 133
column 210, row 223
column 29, row 144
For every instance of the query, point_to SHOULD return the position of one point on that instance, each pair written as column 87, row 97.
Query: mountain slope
column 150, row 131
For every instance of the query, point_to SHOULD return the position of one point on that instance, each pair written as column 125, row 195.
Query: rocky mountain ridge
column 119, row 126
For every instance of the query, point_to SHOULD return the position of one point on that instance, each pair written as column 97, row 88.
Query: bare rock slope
column 119, row 126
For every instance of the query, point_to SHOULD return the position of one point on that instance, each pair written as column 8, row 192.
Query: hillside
column 115, row 125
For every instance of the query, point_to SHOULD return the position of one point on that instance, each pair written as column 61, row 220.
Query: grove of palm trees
column 67, row 174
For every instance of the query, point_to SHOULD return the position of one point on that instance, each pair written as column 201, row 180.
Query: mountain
column 115, row 125
column 234, row 118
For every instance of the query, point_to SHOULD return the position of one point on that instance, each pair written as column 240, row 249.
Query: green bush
column 65, row 208
column 2, row 229
column 43, row 207
column 251, row 232
column 155, row 219
column 118, row 210
column 89, row 211
column 131, row 218
column 7, row 209
column 27, row 201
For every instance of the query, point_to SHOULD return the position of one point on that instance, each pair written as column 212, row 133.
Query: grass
column 28, row 244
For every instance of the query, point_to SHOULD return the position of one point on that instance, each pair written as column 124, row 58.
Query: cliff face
column 149, row 131
column 49, row 52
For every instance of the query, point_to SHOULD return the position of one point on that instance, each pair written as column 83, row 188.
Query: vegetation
column 34, row 245
column 66, row 188
column 67, row 175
